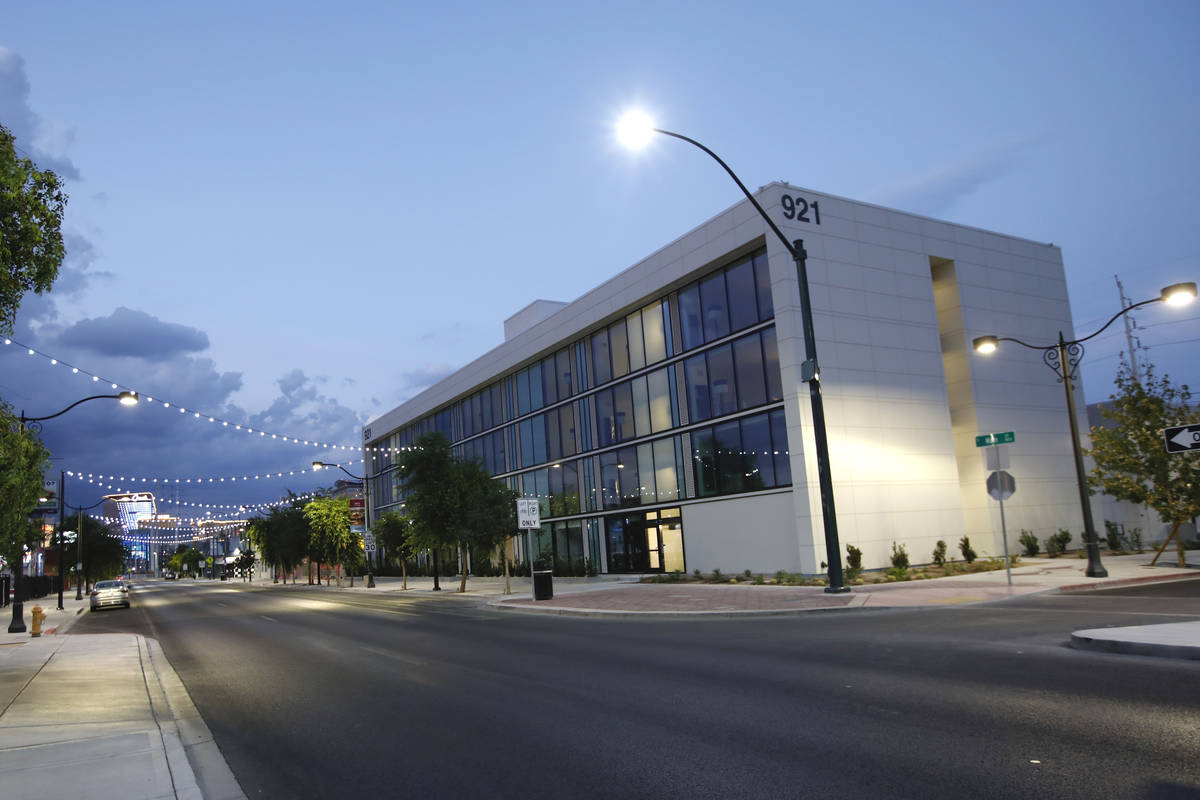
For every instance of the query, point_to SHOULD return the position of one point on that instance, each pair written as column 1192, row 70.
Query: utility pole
column 1130, row 325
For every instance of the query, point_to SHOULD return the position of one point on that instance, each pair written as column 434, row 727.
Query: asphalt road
column 313, row 694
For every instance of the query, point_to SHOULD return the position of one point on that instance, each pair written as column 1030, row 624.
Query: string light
column 182, row 410
column 197, row 481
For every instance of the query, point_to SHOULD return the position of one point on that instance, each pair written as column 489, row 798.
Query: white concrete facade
column 897, row 299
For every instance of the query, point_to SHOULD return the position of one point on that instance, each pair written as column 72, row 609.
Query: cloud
column 937, row 190
column 33, row 134
column 152, row 441
column 417, row 380
column 127, row 332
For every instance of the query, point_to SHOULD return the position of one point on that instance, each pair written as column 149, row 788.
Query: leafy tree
column 104, row 553
column 454, row 503
column 281, row 537
column 185, row 556
column 23, row 461
column 330, row 534
column 31, row 243
column 1131, row 461
column 391, row 530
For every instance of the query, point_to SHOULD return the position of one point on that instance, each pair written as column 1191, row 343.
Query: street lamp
column 635, row 130
column 316, row 465
column 1063, row 359
column 34, row 424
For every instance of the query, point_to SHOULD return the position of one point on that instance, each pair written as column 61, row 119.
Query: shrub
column 1135, row 539
column 1116, row 539
column 964, row 546
column 1064, row 538
column 758, row 580
column 696, row 574
column 1014, row 559
column 853, row 562
column 899, row 556
column 781, row 577
column 899, row 574
column 939, row 553
column 1030, row 542
column 1052, row 547
column 716, row 575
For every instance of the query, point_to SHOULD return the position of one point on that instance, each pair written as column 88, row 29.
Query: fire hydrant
column 39, row 617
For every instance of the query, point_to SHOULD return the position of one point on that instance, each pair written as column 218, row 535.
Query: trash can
column 543, row 584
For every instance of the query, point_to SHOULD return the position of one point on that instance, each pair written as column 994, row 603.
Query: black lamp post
column 366, row 501
column 636, row 129
column 34, row 423
column 1063, row 359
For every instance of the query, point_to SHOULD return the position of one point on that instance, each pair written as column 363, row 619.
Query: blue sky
column 267, row 198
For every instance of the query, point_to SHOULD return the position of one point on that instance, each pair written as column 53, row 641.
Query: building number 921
column 798, row 208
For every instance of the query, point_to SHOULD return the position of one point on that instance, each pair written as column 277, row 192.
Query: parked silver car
column 109, row 593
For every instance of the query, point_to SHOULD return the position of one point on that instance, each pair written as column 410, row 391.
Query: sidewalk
column 99, row 716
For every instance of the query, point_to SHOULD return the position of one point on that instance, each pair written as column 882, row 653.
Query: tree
column 329, row 526
column 185, row 556
column 103, row 553
column 31, row 243
column 391, row 530
column 282, row 536
column 1131, row 461
column 23, row 461
column 454, row 503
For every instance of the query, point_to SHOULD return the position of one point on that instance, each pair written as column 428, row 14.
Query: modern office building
column 662, row 422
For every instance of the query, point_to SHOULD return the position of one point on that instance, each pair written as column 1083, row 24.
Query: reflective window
column 748, row 361
column 731, row 467
column 637, row 350
column 695, row 375
column 566, row 426
column 523, row 406
column 618, row 346
column 704, row 462
column 721, row 385
column 610, row 484
column 549, row 382
column 641, row 406
column 714, row 306
column 562, row 372
column 756, row 453
column 623, row 411
column 771, row 366
column 663, row 414
column 606, row 422
column 654, row 332
column 553, row 436
column 779, row 445
column 645, row 474
column 601, row 363
column 762, row 281
column 666, row 468
column 743, row 304
column 691, row 325
column 627, row 473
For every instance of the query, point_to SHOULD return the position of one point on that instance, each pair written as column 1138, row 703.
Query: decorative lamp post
column 635, row 131
column 1063, row 359
column 34, row 424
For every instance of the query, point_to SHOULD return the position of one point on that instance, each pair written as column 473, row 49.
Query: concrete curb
column 1161, row 641
column 1118, row 583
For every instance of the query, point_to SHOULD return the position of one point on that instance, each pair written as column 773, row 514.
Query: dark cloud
column 127, row 332
column 151, row 440
column 937, row 190
column 30, row 131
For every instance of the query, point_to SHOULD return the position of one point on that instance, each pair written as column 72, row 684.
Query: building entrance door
column 664, row 540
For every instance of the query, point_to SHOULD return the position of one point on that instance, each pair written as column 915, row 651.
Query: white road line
column 269, row 619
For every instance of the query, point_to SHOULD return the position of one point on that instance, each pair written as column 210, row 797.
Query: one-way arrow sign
column 1182, row 438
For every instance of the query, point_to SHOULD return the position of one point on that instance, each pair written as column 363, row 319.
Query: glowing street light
column 1063, row 359
column 634, row 130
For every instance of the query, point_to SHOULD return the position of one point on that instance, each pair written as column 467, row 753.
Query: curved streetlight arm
column 68, row 408
column 339, row 466
column 790, row 247
column 1070, row 342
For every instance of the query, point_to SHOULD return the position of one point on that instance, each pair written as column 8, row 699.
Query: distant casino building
column 662, row 423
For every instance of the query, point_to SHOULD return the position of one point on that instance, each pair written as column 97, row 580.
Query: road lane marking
column 269, row 619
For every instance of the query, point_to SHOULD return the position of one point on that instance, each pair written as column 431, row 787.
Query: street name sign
column 1182, row 439
column 989, row 439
